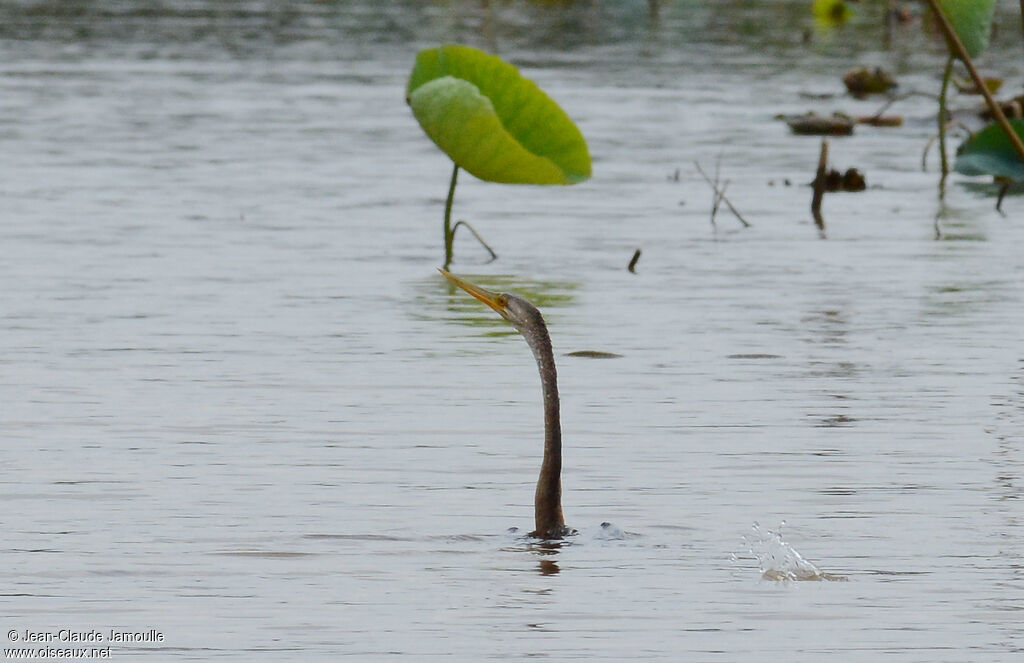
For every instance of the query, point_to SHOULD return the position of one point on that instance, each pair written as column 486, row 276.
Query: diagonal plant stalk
column 958, row 48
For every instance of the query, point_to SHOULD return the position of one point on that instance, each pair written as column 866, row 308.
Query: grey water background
column 239, row 406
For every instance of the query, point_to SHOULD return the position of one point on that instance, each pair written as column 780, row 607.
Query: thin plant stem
column 961, row 52
column 943, row 159
column 449, row 233
column 494, row 256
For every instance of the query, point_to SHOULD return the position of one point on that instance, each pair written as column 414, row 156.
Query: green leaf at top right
column 989, row 152
column 972, row 20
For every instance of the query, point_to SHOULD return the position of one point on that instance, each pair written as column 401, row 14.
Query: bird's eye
column 503, row 300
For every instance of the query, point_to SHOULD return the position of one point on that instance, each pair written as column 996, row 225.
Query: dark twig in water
column 494, row 256
column 716, row 197
column 720, row 197
column 1002, row 192
column 902, row 97
column 886, row 106
column 633, row 261
column 819, row 188
column 716, row 201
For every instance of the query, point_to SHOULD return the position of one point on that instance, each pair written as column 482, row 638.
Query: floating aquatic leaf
column 970, row 87
column 972, row 21
column 990, row 152
column 493, row 122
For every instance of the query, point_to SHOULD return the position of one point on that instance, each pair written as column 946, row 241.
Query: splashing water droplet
column 778, row 560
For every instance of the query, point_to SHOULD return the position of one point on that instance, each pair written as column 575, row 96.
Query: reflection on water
column 240, row 406
column 547, row 295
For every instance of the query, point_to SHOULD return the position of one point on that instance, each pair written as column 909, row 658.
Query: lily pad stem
column 961, row 52
column 942, row 125
column 449, row 232
column 494, row 256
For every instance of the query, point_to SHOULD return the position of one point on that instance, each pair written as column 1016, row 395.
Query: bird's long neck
column 548, row 498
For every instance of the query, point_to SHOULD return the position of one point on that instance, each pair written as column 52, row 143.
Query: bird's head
column 522, row 314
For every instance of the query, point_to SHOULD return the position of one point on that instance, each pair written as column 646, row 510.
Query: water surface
column 241, row 407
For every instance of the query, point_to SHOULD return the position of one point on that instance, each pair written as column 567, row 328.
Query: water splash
column 778, row 560
column 611, row 532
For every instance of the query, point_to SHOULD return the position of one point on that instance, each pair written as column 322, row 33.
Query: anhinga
column 525, row 317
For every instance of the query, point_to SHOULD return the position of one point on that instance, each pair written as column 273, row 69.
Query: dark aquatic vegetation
column 493, row 123
column 812, row 124
column 525, row 317
column 863, row 81
column 989, row 152
column 967, row 26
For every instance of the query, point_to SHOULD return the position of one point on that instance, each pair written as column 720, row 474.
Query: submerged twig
column 494, row 256
column 716, row 201
column 886, row 106
column 633, row 261
column 719, row 196
column 819, row 188
column 1002, row 193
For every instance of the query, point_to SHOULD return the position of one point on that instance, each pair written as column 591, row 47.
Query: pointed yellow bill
column 492, row 299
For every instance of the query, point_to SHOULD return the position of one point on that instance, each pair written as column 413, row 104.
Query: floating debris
column 593, row 354
column 812, row 124
column 633, row 261
column 862, row 81
column 881, row 120
column 851, row 181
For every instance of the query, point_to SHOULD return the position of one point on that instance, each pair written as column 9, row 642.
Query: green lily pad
column 972, row 21
column 492, row 122
column 989, row 152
